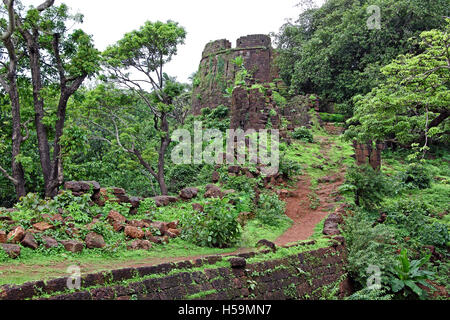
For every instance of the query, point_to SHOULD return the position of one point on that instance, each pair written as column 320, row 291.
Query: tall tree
column 411, row 104
column 136, row 62
column 56, row 59
column 331, row 51
column 8, row 80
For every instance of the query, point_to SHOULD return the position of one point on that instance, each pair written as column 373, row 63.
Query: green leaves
column 217, row 226
column 415, row 92
column 153, row 45
column 406, row 275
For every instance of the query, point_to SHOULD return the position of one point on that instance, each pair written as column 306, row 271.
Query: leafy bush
column 217, row 226
column 368, row 245
column 303, row 133
column 367, row 185
column 289, row 168
column 240, row 183
column 406, row 275
column 270, row 210
column 216, row 118
column 412, row 219
column 435, row 234
column 181, row 176
column 146, row 206
column 417, row 176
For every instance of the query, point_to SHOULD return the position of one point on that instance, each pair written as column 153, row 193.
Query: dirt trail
column 300, row 208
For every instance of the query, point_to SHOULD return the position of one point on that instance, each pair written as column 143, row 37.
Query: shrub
column 367, row 185
column 270, row 210
column 435, row 234
column 303, row 133
column 181, row 176
column 289, row 168
column 367, row 246
column 217, row 226
column 417, row 176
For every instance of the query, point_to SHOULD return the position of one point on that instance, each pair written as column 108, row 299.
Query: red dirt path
column 298, row 205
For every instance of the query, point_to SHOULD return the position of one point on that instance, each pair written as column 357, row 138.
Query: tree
column 57, row 61
column 331, row 51
column 412, row 103
column 8, row 80
column 145, row 52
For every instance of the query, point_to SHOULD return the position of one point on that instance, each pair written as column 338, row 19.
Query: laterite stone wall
column 306, row 275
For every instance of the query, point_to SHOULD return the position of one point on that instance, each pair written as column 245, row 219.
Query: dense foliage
column 332, row 52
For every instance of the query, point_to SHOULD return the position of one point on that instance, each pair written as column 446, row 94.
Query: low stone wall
column 304, row 275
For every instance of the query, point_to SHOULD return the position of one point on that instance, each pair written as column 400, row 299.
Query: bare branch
column 5, row 173
column 45, row 5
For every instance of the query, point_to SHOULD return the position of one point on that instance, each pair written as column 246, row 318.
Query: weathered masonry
column 217, row 71
column 302, row 274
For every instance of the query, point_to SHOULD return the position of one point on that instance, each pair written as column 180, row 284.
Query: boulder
column 198, row 207
column 134, row 233
column 237, row 263
column 335, row 218
column 72, row 245
column 213, row 191
column 3, row 237
column 138, row 224
column 118, row 191
column 118, row 226
column 330, row 226
column 13, row 250
column 162, row 201
column 215, row 177
column 81, row 187
column 49, row 242
column 42, row 226
column 140, row 245
column 114, row 216
column 161, row 226
column 173, row 225
column 29, row 241
column 94, row 240
column 16, row 235
column 173, row 233
column 188, row 193
column 234, row 169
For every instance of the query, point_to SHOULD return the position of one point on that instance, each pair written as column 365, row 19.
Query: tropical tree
column 57, row 63
column 335, row 52
column 136, row 62
column 412, row 104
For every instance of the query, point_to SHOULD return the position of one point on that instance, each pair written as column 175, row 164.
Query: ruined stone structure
column 272, row 279
column 365, row 153
column 253, row 109
column 217, row 71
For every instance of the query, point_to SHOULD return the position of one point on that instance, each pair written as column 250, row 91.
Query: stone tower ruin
column 217, row 71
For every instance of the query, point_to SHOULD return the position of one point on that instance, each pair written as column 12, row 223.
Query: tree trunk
column 17, row 170
column 165, row 141
column 41, row 131
column 18, row 174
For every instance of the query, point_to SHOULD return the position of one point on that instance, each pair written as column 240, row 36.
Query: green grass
column 255, row 231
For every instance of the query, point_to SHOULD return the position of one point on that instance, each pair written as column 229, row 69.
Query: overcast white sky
column 204, row 20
